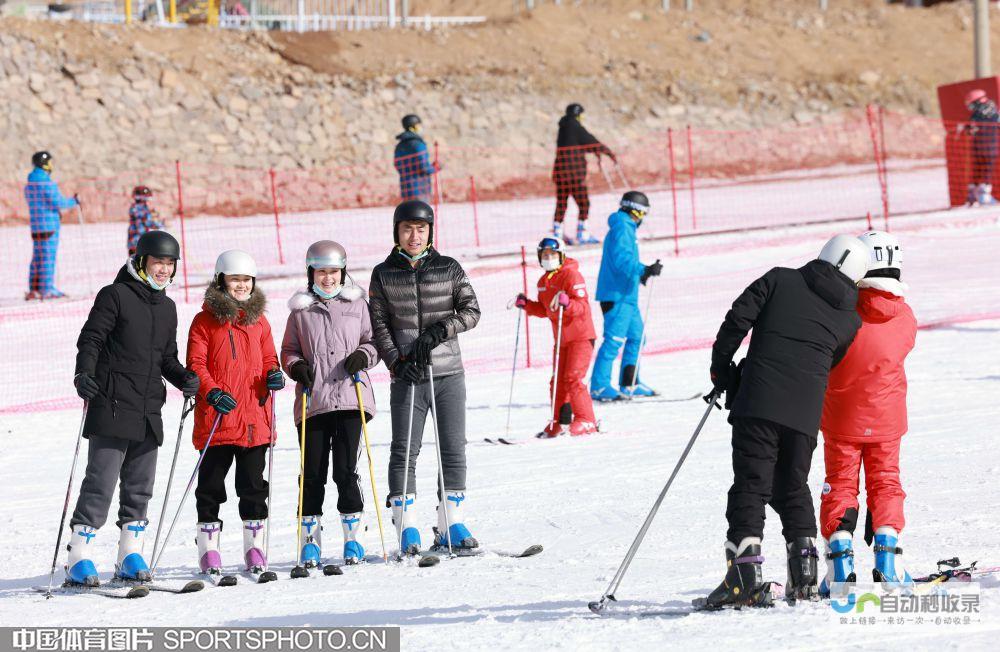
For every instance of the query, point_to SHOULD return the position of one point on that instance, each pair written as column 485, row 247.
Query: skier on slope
column 328, row 339
column 864, row 419
column 563, row 286
column 412, row 162
column 420, row 302
column 984, row 121
column 231, row 348
column 569, row 172
column 44, row 204
column 127, row 343
column 618, row 293
column 803, row 320
column 141, row 217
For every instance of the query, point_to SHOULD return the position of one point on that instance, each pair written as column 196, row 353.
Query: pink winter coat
column 866, row 394
column 324, row 333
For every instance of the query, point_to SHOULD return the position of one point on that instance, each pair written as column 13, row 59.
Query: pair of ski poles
column 608, row 179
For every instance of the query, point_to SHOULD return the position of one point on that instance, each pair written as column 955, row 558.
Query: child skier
column 864, row 419
column 562, row 286
column 328, row 339
column 231, row 349
column 141, row 218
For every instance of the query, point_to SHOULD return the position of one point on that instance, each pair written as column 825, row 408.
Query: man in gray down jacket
column 420, row 301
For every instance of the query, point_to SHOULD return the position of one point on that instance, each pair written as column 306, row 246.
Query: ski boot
column 606, row 394
column 583, row 236
column 984, row 194
column 744, row 584
column 456, row 530
column 52, row 294
column 354, row 552
column 581, row 427
column 131, row 566
column 972, row 196
column 312, row 542
column 630, row 386
column 802, row 572
column 557, row 230
column 840, row 575
column 403, row 517
column 80, row 569
column 209, row 559
column 32, row 295
column 553, row 429
column 253, row 545
column 889, row 568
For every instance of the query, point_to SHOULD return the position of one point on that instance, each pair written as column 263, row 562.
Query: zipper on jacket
column 232, row 345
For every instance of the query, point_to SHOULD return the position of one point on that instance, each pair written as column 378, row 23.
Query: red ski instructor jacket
column 578, row 325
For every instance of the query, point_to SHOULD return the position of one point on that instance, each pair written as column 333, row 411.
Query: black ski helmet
column 410, row 120
column 159, row 244
column 412, row 210
column 574, row 109
column 633, row 200
column 41, row 160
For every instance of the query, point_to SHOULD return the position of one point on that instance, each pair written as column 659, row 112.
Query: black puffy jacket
column 404, row 301
column 572, row 144
column 128, row 342
column 803, row 322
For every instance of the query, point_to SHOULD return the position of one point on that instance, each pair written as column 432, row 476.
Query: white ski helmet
column 848, row 254
column 235, row 262
column 884, row 252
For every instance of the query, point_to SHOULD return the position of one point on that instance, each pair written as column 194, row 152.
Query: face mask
column 326, row 295
column 551, row 264
column 402, row 252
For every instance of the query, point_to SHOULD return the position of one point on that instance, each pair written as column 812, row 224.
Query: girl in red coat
column 562, row 285
column 231, row 350
column 864, row 418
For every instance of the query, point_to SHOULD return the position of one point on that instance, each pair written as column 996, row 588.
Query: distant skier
column 420, row 302
column 141, row 216
column 127, row 344
column 984, row 119
column 864, row 420
column 618, row 293
column 563, row 286
column 569, row 172
column 802, row 320
column 44, row 203
column 413, row 163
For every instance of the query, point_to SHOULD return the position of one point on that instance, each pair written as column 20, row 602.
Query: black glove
column 190, row 384
column 721, row 374
column 651, row 270
column 275, row 379
column 223, row 402
column 408, row 371
column 428, row 340
column 86, row 386
column 304, row 373
column 356, row 362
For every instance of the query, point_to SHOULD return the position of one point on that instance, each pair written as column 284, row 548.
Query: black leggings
column 338, row 433
column 251, row 486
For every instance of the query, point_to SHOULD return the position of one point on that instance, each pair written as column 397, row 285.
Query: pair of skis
column 122, row 592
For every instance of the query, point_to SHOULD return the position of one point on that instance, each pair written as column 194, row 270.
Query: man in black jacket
column 420, row 301
column 128, row 342
column 569, row 172
column 803, row 321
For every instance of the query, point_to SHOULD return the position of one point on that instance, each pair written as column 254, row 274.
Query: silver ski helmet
column 325, row 253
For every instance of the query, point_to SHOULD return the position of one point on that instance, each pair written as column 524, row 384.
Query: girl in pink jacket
column 328, row 340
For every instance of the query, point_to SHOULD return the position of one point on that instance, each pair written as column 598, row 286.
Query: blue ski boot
column 80, row 568
column 354, row 552
column 131, row 566
column 459, row 534
column 840, row 575
column 583, row 236
column 403, row 517
column 888, row 563
column 312, row 542
column 606, row 394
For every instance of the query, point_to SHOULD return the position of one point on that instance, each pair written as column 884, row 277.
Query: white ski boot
column 209, row 558
column 312, row 542
column 404, row 518
column 456, row 530
column 253, row 545
column 354, row 552
column 131, row 566
column 80, row 567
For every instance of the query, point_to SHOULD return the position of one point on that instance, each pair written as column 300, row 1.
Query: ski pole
column 621, row 175
column 83, row 232
column 513, row 371
column 607, row 177
column 298, row 571
column 406, row 467
column 185, row 410
column 69, row 488
column 187, row 490
column 371, row 469
column 270, row 470
column 437, row 447
column 555, row 367
column 642, row 335
column 609, row 594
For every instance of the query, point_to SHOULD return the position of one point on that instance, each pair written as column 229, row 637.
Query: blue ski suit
column 44, row 203
column 414, row 166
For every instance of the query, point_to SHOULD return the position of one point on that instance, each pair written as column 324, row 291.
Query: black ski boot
column 802, row 573
column 743, row 585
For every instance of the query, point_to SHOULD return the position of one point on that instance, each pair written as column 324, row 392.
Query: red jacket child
column 565, row 286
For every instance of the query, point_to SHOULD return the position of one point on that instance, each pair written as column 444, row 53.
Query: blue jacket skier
column 618, row 293
column 413, row 162
column 44, row 203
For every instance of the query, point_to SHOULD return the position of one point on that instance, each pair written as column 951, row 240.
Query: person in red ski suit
column 864, row 419
column 562, row 285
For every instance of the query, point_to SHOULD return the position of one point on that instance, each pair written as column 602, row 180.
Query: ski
column 501, row 441
column 442, row 551
column 332, row 569
column 190, row 587
column 262, row 577
column 772, row 591
column 657, row 398
column 953, row 570
column 218, row 579
column 121, row 593
column 425, row 558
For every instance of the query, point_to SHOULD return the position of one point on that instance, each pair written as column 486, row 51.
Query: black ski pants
column 770, row 467
column 251, row 486
column 332, row 436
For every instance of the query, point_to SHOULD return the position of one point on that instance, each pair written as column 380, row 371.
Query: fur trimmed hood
column 305, row 298
column 227, row 309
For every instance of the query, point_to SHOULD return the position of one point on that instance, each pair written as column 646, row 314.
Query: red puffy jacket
column 866, row 394
column 232, row 349
column 577, row 322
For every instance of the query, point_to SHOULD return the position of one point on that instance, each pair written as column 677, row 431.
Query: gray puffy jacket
column 404, row 301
